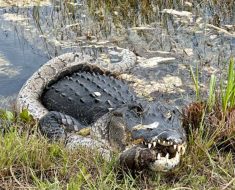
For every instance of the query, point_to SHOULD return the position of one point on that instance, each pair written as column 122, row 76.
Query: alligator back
column 87, row 95
column 30, row 94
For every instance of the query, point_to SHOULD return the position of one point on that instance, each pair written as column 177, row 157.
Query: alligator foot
column 56, row 125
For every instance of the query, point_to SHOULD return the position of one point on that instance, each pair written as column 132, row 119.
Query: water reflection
column 18, row 61
column 18, row 58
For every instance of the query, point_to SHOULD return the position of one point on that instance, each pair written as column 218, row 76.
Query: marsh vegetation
column 199, row 36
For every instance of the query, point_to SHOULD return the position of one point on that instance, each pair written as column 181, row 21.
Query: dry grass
column 29, row 161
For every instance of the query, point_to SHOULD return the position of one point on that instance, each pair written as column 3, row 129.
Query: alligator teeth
column 181, row 149
column 158, row 156
column 164, row 142
column 149, row 145
column 154, row 144
column 167, row 156
column 175, row 146
column 177, row 154
column 162, row 162
column 178, row 148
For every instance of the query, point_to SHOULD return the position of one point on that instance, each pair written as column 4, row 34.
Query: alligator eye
column 137, row 109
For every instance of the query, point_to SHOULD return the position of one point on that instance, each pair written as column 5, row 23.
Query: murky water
column 18, row 58
column 21, row 60
column 30, row 35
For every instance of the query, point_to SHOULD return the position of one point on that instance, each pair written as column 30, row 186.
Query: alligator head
column 146, row 137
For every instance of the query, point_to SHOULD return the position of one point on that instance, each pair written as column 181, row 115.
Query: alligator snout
column 166, row 136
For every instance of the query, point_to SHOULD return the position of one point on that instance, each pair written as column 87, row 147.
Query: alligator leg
column 56, row 125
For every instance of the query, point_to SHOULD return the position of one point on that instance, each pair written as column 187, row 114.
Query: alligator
column 78, row 91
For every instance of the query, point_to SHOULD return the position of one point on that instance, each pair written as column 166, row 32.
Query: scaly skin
column 30, row 93
column 85, row 95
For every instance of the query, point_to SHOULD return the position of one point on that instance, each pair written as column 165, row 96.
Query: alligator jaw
column 164, row 163
column 167, row 154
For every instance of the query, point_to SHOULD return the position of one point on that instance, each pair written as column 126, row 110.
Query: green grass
column 211, row 98
column 29, row 161
column 228, row 91
column 195, row 78
column 226, row 95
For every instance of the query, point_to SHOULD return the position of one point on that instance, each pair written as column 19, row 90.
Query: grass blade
column 211, row 99
column 195, row 81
